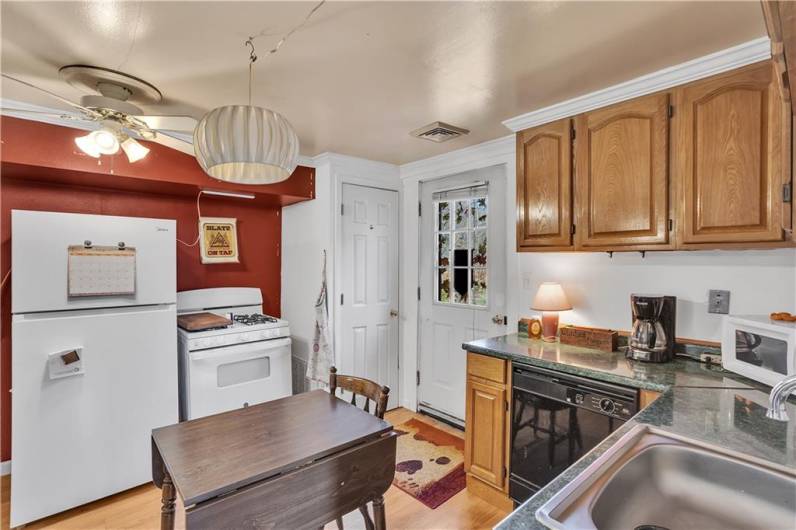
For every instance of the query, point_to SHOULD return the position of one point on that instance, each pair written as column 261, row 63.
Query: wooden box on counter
column 597, row 338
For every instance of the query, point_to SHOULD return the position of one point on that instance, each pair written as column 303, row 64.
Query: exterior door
column 622, row 177
column 730, row 157
column 462, row 280
column 544, row 186
column 369, row 286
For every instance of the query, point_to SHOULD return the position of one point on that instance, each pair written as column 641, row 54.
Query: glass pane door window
column 460, row 253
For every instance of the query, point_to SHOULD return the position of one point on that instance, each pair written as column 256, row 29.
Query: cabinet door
column 485, row 421
column 622, row 189
column 544, row 182
column 728, row 158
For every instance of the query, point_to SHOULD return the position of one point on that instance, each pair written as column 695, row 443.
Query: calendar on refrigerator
column 101, row 271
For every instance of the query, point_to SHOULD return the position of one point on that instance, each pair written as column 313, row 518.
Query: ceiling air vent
column 439, row 132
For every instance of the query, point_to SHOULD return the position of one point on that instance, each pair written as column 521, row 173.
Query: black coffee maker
column 652, row 338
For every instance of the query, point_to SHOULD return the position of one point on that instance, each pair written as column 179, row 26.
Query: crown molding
column 489, row 153
column 715, row 63
column 345, row 162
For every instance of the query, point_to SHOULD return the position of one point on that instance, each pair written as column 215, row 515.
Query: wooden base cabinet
column 487, row 428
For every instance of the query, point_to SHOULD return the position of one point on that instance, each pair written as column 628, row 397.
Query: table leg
column 378, row 513
column 167, row 503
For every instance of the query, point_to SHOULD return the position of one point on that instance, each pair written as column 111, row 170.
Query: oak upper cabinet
column 621, row 176
column 731, row 145
column 544, row 187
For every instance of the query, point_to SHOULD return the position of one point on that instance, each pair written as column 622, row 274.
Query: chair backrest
column 359, row 386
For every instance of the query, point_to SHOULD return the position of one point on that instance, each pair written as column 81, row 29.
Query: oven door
column 547, row 436
column 231, row 377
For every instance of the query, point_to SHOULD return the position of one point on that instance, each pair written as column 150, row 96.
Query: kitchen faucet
column 778, row 397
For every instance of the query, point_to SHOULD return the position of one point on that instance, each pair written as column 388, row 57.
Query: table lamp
column 550, row 299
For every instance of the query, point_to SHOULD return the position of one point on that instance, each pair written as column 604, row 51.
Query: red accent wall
column 31, row 188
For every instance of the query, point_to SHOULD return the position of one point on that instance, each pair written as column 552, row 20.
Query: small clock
column 534, row 328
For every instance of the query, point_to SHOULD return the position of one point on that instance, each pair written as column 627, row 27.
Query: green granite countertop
column 611, row 367
column 704, row 403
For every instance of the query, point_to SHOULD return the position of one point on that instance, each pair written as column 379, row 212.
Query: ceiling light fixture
column 134, row 150
column 247, row 144
column 108, row 140
column 87, row 145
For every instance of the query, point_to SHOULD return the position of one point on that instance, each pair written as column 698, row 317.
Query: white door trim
column 369, row 174
column 487, row 154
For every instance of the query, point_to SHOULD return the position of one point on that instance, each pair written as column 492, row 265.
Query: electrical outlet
column 718, row 301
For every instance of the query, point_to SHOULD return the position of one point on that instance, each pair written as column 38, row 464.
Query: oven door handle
column 246, row 350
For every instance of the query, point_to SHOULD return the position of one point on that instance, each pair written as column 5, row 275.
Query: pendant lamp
column 246, row 144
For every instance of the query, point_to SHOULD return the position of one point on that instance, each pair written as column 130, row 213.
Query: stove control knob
column 607, row 406
column 578, row 398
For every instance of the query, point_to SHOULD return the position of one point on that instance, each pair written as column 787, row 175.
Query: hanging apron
column 321, row 357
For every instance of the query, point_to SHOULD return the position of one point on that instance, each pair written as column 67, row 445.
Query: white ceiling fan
column 111, row 102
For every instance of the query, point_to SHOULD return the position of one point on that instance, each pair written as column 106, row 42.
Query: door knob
column 393, row 312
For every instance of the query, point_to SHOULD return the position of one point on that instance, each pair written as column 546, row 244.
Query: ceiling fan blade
column 86, row 110
column 42, row 114
column 169, row 123
column 174, row 143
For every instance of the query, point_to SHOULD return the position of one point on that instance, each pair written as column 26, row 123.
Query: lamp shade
column 550, row 297
column 246, row 145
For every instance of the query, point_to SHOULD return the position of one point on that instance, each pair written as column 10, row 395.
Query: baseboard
column 441, row 416
column 5, row 468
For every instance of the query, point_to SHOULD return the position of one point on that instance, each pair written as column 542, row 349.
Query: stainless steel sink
column 652, row 480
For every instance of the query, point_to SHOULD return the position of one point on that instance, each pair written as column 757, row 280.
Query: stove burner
column 254, row 318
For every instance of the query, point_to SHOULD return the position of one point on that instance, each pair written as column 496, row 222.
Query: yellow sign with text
column 219, row 241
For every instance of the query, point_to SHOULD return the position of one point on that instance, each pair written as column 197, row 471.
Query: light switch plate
column 718, row 301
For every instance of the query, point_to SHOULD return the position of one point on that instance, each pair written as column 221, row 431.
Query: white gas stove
column 245, row 363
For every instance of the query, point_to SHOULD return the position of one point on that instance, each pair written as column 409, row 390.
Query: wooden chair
column 371, row 391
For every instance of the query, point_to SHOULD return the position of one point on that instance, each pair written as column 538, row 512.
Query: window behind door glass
column 460, row 253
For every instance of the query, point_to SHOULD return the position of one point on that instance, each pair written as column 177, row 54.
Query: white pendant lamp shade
column 246, row 145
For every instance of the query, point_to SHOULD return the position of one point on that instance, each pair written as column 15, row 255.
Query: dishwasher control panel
column 604, row 404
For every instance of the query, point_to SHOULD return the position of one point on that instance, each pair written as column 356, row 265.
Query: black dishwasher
column 557, row 418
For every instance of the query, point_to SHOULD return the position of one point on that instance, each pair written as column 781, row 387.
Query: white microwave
column 759, row 348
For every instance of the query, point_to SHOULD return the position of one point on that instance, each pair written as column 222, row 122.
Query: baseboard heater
column 423, row 408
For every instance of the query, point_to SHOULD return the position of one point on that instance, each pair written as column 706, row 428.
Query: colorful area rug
column 430, row 463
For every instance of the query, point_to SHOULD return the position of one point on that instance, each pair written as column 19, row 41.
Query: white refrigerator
column 94, row 355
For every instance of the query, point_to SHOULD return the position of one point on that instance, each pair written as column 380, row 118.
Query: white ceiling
column 361, row 75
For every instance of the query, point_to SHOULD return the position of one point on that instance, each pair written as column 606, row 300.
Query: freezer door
column 39, row 258
column 78, row 438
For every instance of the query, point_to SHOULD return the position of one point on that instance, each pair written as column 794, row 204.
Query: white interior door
column 462, row 280
column 369, row 286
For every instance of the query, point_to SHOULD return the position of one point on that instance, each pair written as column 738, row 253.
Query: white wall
column 312, row 226
column 306, row 231
column 599, row 286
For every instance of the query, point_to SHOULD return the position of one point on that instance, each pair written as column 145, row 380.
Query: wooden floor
column 139, row 508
